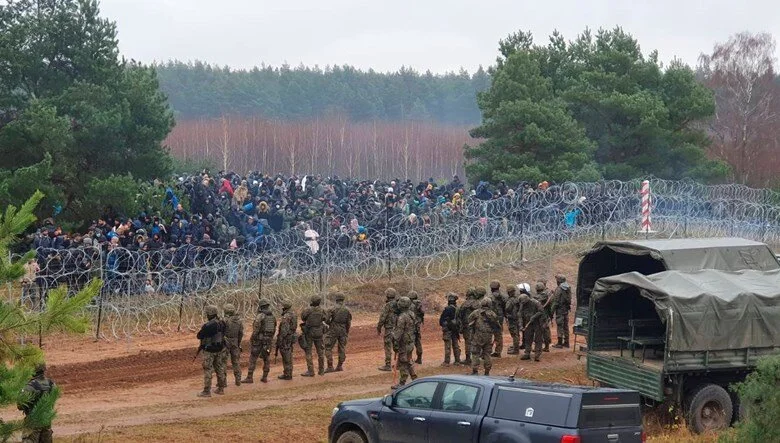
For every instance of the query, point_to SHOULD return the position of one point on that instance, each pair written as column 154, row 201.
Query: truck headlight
column 334, row 412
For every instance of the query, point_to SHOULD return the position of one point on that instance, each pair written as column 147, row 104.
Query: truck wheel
column 351, row 437
column 709, row 408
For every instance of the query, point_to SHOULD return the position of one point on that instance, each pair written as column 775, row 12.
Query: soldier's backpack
column 39, row 387
column 341, row 316
column 313, row 323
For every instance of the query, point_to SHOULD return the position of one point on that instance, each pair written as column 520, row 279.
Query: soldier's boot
column 238, row 380
column 496, row 355
column 385, row 368
column 330, row 368
column 525, row 357
column 474, row 371
column 265, row 377
column 340, row 366
column 566, row 343
column 537, row 357
column 205, row 393
column 309, row 372
column 513, row 351
column 546, row 347
column 285, row 377
column 248, row 378
column 413, row 377
column 559, row 345
column 321, row 371
column 398, row 386
column 220, row 390
column 487, row 371
column 419, row 359
column 445, row 364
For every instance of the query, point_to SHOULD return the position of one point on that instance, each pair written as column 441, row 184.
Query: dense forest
column 199, row 90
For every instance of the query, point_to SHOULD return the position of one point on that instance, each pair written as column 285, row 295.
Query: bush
column 759, row 397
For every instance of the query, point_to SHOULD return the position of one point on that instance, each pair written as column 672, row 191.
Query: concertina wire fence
column 486, row 234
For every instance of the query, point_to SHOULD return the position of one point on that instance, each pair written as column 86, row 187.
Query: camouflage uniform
column 543, row 297
column 419, row 317
column 312, row 325
column 403, row 339
column 263, row 330
column 212, row 343
column 450, row 330
column 483, row 323
column 387, row 321
column 531, row 313
column 463, row 313
column 339, row 320
column 511, row 312
column 561, row 306
column 499, row 308
column 285, row 339
column 234, row 334
column 36, row 388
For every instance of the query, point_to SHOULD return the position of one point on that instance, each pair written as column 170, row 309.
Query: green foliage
column 592, row 107
column 60, row 314
column 115, row 191
column 70, row 109
column 199, row 90
column 760, row 398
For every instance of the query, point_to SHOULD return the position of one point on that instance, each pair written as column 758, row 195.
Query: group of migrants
column 320, row 331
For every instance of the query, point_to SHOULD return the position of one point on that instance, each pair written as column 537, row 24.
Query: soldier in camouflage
column 499, row 308
column 212, row 345
column 450, row 330
column 403, row 337
column 36, row 388
column 234, row 334
column 312, row 324
column 483, row 323
column 561, row 305
column 419, row 316
column 511, row 312
column 263, row 329
column 339, row 320
column 530, row 320
column 543, row 297
column 463, row 313
column 387, row 322
column 285, row 339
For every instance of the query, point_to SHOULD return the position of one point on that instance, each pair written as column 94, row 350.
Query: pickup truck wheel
column 352, row 437
column 709, row 409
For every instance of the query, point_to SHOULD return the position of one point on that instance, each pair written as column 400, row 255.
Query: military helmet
column 391, row 293
column 481, row 292
column 539, row 286
column 40, row 368
column 524, row 297
column 543, row 281
column 229, row 308
column 211, row 311
column 339, row 296
column 264, row 303
column 315, row 300
column 560, row 278
column 486, row 302
column 511, row 290
column 404, row 302
column 495, row 284
column 524, row 288
column 412, row 295
column 451, row 296
column 471, row 293
column 286, row 304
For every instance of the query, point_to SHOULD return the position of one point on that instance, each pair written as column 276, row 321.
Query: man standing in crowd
column 561, row 307
column 234, row 334
column 403, row 337
column 450, row 330
column 36, row 388
column 464, row 311
column 312, row 325
column 212, row 344
column 285, row 339
column 387, row 321
column 511, row 311
column 339, row 320
column 263, row 329
column 530, row 323
column 543, row 297
column 419, row 317
column 483, row 323
column 498, row 308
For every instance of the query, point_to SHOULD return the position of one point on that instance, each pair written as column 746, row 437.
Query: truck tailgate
column 610, row 417
column 624, row 373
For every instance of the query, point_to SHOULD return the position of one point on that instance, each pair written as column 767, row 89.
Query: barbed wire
column 165, row 290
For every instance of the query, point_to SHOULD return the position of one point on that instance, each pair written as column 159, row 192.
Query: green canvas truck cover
column 710, row 309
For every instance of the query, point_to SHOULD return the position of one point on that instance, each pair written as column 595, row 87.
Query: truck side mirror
column 387, row 400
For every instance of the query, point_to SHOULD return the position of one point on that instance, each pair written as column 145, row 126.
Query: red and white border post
column 646, row 225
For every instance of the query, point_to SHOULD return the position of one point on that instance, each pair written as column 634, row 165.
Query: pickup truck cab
column 479, row 409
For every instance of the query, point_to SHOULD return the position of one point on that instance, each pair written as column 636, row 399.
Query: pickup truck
column 482, row 409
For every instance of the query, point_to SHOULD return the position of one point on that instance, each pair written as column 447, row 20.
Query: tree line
column 201, row 90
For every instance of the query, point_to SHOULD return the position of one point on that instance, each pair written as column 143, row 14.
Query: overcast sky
column 440, row 35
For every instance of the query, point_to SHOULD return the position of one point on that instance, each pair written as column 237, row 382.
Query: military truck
column 651, row 256
column 684, row 336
